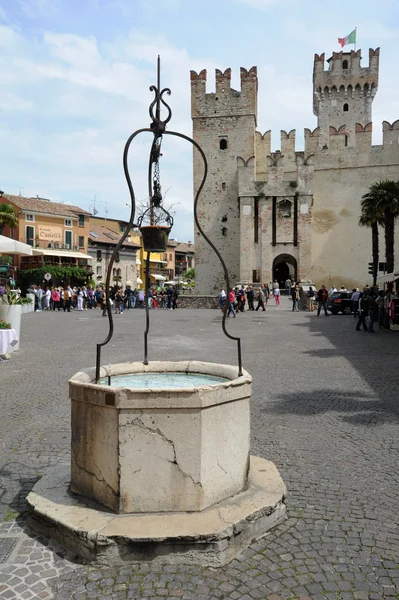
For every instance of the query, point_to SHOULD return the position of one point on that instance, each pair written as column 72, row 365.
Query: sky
column 75, row 77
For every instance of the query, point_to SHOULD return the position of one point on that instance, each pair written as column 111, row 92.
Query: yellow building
column 161, row 268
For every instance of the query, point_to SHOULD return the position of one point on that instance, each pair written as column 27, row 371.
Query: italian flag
column 349, row 39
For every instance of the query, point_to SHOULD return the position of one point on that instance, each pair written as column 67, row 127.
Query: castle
column 288, row 213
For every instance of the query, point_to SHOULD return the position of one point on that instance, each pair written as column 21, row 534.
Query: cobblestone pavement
column 325, row 410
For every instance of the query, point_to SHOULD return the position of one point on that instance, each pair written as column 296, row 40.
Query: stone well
column 159, row 474
column 155, row 450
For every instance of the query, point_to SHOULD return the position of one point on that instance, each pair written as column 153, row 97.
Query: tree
column 8, row 217
column 368, row 218
column 189, row 274
column 380, row 206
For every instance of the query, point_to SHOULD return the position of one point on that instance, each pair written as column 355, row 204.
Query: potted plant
column 10, row 311
column 4, row 324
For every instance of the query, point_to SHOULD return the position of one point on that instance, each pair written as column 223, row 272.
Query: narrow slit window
column 346, row 140
column 346, row 107
column 223, row 144
column 345, row 64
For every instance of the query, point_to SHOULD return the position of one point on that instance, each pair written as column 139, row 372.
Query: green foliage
column 28, row 276
column 380, row 206
column 5, row 260
column 91, row 283
column 189, row 274
column 8, row 217
column 4, row 324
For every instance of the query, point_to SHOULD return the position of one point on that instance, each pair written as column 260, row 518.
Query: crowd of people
column 238, row 297
column 370, row 306
column 87, row 297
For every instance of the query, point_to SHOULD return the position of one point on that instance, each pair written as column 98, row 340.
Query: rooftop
column 38, row 205
column 102, row 235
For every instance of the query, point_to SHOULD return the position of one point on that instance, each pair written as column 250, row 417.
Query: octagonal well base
column 211, row 537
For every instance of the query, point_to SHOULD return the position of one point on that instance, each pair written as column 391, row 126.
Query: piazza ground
column 324, row 409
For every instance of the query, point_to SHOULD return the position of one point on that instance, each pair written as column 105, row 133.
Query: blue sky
column 75, row 76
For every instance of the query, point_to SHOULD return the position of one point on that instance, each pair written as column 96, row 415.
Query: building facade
column 58, row 233
column 289, row 213
column 102, row 242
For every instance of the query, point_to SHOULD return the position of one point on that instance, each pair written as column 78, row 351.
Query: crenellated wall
column 248, row 203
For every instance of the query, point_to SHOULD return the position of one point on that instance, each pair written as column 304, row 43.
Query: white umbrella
column 10, row 246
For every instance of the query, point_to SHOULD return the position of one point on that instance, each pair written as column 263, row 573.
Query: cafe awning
column 158, row 277
column 61, row 253
column 10, row 246
column 388, row 278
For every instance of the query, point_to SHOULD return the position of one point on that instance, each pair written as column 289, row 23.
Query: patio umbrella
column 10, row 246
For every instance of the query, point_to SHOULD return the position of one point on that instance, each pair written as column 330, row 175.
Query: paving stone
column 330, row 427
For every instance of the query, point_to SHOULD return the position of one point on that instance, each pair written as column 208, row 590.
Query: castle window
column 345, row 64
column 223, row 186
column 346, row 107
column 284, row 208
column 346, row 140
column 223, row 144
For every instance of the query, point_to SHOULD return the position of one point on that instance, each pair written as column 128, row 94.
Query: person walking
column 322, row 296
column 169, row 293
column 288, row 286
column 261, row 300
column 276, row 293
column 67, row 294
column 355, row 301
column 104, row 303
column 373, row 309
column 141, row 298
column 56, row 297
column 232, row 301
column 295, row 295
column 47, row 298
column 250, row 298
column 175, row 299
column 310, row 296
column 79, row 295
column 39, row 296
column 118, row 301
column 222, row 298
column 363, row 311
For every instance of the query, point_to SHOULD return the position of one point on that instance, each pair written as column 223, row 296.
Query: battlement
column 345, row 78
column 339, row 145
column 225, row 101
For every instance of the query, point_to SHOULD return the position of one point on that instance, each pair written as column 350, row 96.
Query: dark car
column 340, row 302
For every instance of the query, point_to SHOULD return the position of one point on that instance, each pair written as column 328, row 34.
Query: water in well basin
column 162, row 380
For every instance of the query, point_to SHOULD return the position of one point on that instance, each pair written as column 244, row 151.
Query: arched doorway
column 284, row 267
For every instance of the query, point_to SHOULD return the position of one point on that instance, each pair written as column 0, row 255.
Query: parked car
column 340, row 302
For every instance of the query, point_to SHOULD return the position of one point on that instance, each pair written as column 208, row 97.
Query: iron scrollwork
column 158, row 129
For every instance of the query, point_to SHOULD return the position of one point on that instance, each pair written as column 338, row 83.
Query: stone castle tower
column 343, row 95
column 289, row 213
column 224, row 125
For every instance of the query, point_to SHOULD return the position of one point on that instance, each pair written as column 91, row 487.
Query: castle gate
column 284, row 267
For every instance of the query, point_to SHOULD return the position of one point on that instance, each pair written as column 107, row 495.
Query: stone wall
column 330, row 176
column 191, row 301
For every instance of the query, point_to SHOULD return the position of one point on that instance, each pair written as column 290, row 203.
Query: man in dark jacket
column 373, row 309
column 322, row 296
column 363, row 311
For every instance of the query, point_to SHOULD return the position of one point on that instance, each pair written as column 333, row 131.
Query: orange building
column 58, row 233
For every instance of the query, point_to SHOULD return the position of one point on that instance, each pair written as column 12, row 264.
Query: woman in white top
column 80, row 299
